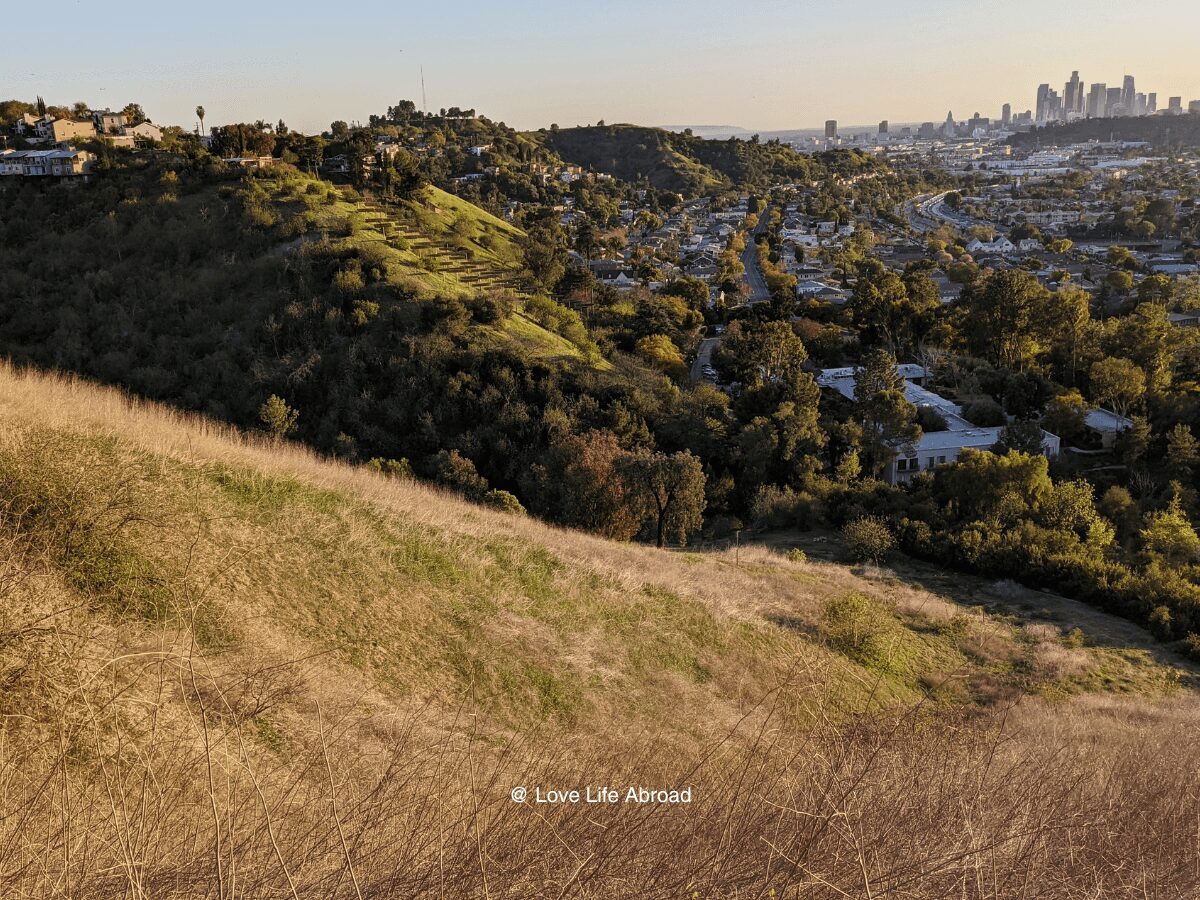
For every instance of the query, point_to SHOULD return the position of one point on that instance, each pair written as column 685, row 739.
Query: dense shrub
column 869, row 539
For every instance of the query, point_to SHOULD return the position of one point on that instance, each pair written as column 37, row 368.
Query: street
column 704, row 357
column 754, row 276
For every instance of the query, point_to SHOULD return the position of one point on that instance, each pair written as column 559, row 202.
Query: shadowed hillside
column 232, row 668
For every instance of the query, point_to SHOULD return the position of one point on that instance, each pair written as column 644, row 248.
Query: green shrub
column 861, row 628
column 797, row 555
column 392, row 468
column 1191, row 646
column 869, row 539
column 504, row 501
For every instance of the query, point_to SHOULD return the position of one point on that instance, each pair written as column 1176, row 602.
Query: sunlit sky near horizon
column 761, row 64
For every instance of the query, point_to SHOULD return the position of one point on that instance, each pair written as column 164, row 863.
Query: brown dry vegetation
column 233, row 669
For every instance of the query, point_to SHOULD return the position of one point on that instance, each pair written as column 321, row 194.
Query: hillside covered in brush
column 215, row 289
column 229, row 664
column 692, row 165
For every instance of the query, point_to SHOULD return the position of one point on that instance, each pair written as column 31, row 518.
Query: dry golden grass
column 230, row 669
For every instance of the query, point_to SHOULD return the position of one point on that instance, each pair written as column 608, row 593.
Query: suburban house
column 621, row 279
column 1190, row 319
column 819, row 290
column 1001, row 245
column 935, row 448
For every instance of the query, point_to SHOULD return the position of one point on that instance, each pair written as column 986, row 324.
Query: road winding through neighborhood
column 754, row 276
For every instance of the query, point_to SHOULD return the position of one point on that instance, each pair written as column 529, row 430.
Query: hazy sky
column 762, row 64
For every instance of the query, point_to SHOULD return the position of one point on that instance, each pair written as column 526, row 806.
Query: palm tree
column 200, row 116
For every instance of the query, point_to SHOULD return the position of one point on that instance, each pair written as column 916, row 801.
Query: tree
column 458, row 472
column 1147, row 337
column 589, row 491
column 1182, row 452
column 134, row 114
column 545, row 249
column 987, row 486
column 878, row 308
column 1005, row 320
column 1155, row 289
column 1120, row 282
column 200, row 116
column 1070, row 323
column 277, row 417
column 869, row 539
column 669, row 490
column 1022, row 436
column 1071, row 506
column 888, row 418
column 1117, row 383
column 1121, row 257
column 1169, row 536
column 660, row 351
column 1065, row 414
column 758, row 354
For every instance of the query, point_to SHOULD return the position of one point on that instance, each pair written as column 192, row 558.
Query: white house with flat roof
column 935, row 448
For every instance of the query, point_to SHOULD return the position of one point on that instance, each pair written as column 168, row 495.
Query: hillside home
column 68, row 130
column 107, row 122
column 58, row 163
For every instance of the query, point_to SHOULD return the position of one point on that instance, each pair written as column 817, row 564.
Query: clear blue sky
column 762, row 64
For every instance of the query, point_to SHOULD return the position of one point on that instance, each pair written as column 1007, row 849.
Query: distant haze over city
column 771, row 66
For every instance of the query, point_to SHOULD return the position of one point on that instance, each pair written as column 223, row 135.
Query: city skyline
column 775, row 66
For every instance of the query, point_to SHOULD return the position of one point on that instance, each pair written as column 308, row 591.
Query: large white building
column 935, row 448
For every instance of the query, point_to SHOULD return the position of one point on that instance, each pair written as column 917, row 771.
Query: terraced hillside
column 233, row 668
column 453, row 242
column 433, row 242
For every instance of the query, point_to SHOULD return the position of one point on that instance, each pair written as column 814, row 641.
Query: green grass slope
column 433, row 241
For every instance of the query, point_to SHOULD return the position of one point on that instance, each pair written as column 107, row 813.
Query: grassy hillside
column 231, row 666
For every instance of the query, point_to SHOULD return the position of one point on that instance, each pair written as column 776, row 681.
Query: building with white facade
column 935, row 448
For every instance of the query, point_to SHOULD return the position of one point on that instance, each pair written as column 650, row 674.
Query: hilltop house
column 935, row 448
column 108, row 122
